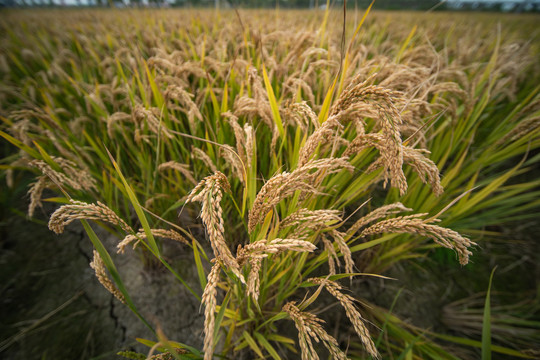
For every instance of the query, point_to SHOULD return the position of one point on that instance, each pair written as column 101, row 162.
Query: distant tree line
column 379, row 4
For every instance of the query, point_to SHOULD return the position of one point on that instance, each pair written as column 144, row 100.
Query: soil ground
column 53, row 307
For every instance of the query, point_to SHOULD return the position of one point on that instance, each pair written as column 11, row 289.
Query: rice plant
column 286, row 151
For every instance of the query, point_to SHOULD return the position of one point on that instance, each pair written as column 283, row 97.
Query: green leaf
column 342, row 276
column 486, row 324
column 406, row 43
column 153, row 86
column 176, row 344
column 325, row 109
column 137, row 206
column 109, row 264
column 33, row 153
column 407, row 353
column 279, row 316
column 262, row 340
column 273, row 103
column 252, row 344
column 281, row 339
column 198, row 264
column 478, row 344
column 152, row 245
column 221, row 313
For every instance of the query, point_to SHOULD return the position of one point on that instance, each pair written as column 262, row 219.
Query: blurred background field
column 74, row 80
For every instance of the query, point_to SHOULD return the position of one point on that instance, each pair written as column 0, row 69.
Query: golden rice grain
column 209, row 192
column 81, row 210
column 310, row 328
column 209, row 302
column 347, row 302
column 99, row 267
column 412, row 224
column 285, row 184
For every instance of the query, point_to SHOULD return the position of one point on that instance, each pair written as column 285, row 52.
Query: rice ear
column 281, row 186
column 209, row 301
column 209, row 192
column 99, row 267
column 376, row 214
column 310, row 327
column 81, row 210
column 35, row 194
column 413, row 224
column 181, row 168
column 347, row 302
column 256, row 251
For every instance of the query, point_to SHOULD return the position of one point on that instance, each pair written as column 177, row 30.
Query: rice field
column 307, row 163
